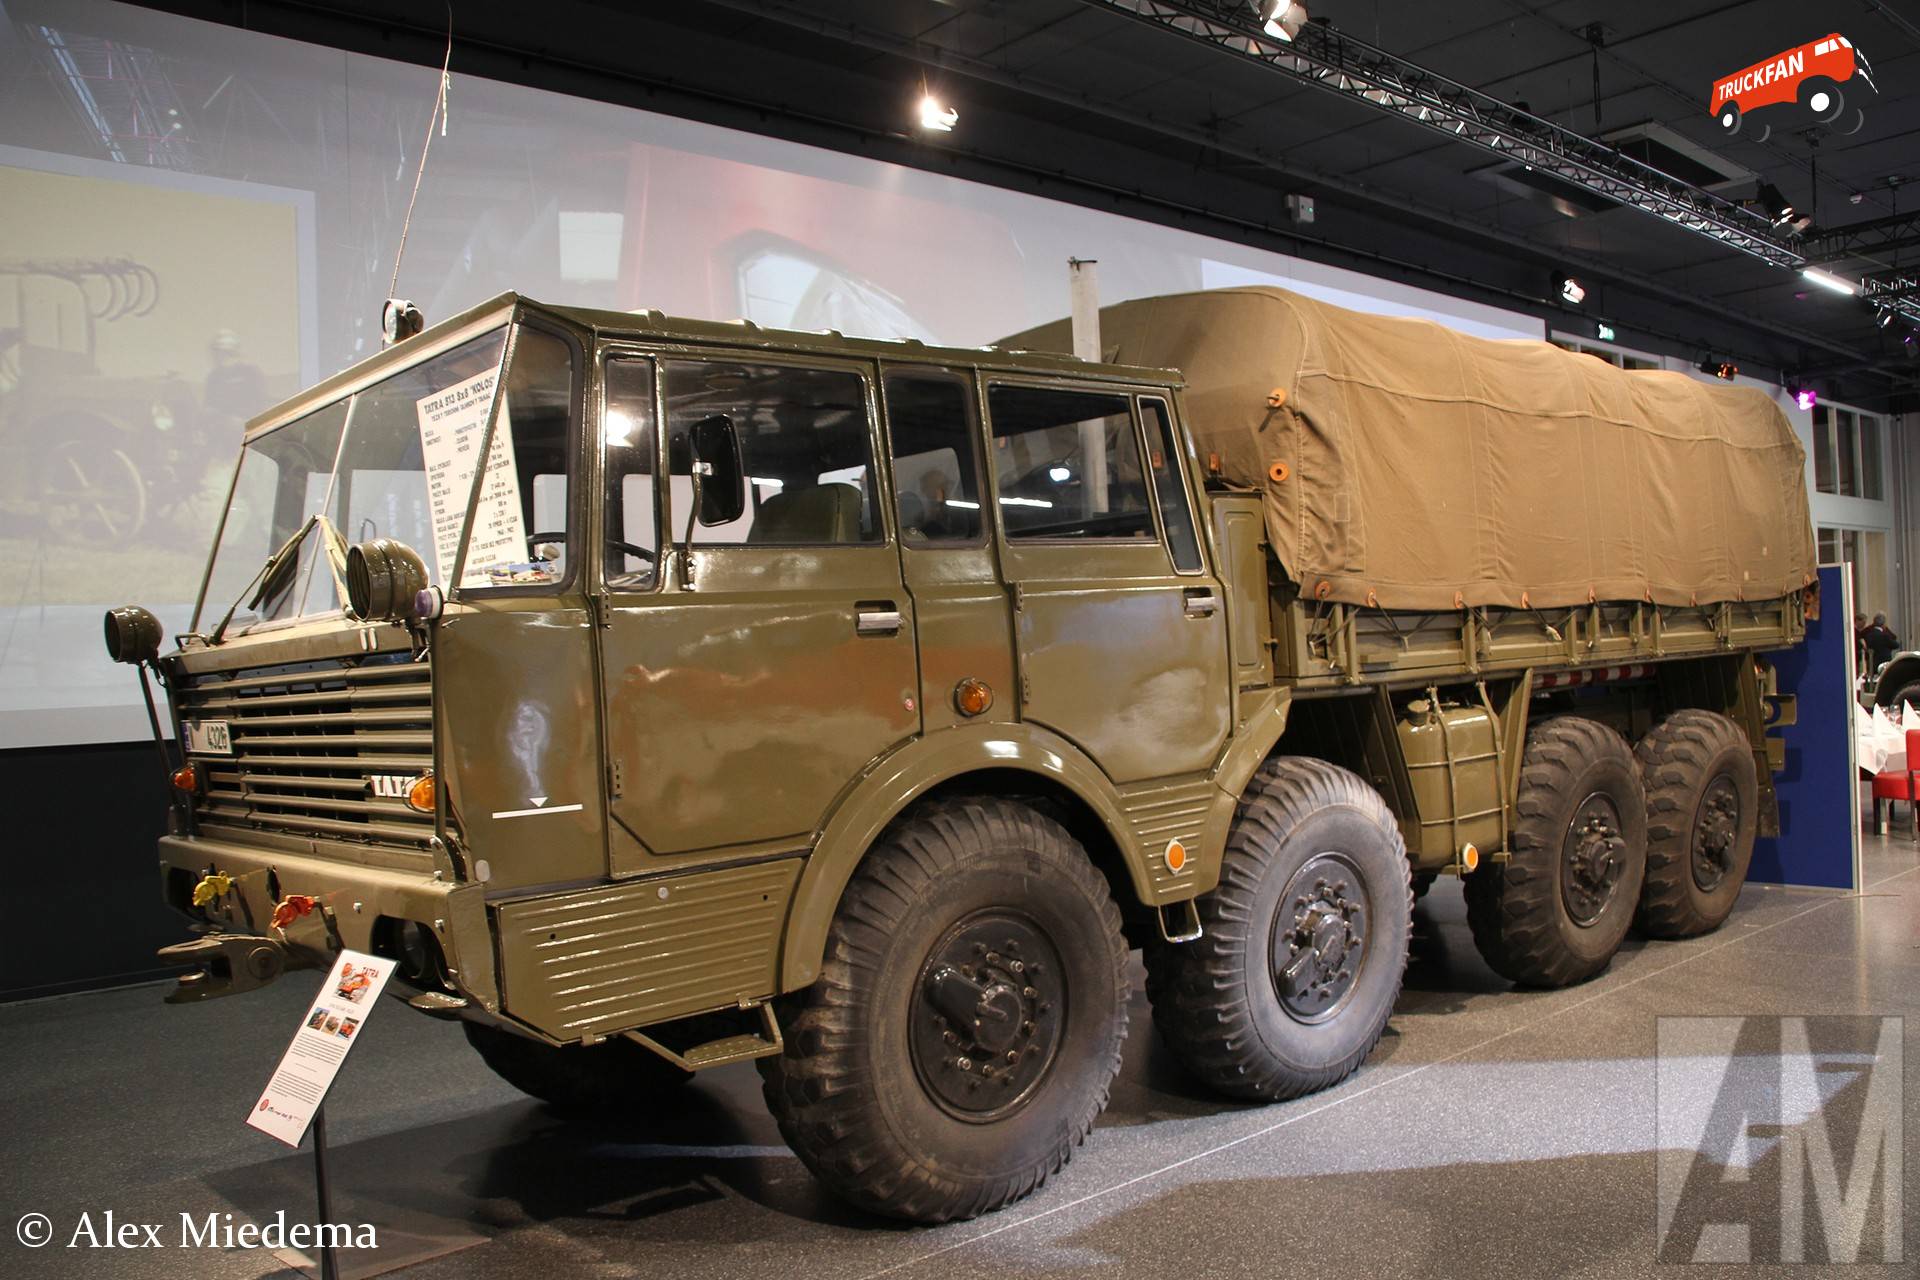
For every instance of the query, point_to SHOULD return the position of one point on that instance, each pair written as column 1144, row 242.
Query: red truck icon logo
column 1825, row 79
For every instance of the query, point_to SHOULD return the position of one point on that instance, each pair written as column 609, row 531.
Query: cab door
column 747, row 686
column 947, row 555
column 1120, row 627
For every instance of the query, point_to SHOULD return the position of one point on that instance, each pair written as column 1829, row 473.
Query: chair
column 1899, row 784
column 823, row 513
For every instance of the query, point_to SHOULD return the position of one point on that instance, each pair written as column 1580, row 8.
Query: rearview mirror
column 723, row 481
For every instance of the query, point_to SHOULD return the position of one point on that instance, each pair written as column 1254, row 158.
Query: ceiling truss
column 1321, row 56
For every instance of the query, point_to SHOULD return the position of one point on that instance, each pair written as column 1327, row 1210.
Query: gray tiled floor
column 1494, row 1131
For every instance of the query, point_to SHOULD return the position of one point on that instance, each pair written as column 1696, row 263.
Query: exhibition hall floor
column 1493, row 1131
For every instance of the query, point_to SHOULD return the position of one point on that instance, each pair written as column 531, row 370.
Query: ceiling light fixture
column 1833, row 282
column 1282, row 20
column 1725, row 370
column 936, row 116
column 1569, row 290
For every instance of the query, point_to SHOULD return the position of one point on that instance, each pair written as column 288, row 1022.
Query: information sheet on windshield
column 452, row 423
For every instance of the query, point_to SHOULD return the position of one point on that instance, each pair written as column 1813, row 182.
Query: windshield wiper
column 273, row 578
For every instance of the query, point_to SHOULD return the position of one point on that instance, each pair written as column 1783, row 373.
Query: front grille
column 308, row 739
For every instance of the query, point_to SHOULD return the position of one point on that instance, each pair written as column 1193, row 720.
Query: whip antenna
column 400, row 318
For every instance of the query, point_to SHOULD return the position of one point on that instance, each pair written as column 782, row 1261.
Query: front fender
column 903, row 777
column 1901, row 670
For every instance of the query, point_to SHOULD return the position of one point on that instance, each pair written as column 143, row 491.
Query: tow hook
column 229, row 963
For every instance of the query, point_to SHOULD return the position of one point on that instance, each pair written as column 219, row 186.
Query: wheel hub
column 1592, row 860
column 987, row 1015
column 1714, row 832
column 1320, row 937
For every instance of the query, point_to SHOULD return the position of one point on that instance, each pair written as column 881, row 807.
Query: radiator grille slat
column 308, row 738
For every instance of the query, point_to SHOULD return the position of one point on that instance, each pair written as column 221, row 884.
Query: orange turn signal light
column 187, row 778
column 972, row 697
column 1176, row 856
column 1469, row 857
column 420, row 795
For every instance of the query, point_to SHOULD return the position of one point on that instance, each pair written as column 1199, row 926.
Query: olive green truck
column 662, row 694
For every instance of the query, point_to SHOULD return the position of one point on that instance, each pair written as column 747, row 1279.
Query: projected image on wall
column 127, row 370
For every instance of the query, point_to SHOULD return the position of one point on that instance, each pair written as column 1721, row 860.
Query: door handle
column 877, row 619
column 1201, row 602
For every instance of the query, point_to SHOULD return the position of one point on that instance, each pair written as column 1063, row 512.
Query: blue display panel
column 1819, row 797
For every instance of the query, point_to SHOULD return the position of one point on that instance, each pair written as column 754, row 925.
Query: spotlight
column 1776, row 205
column 1833, row 282
column 1570, row 291
column 936, row 116
column 1725, row 370
column 1803, row 396
column 1283, row 19
column 1885, row 318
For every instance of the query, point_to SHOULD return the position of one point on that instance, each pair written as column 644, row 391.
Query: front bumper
column 363, row 907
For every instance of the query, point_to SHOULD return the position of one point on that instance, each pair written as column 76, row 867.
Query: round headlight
column 384, row 578
column 133, row 634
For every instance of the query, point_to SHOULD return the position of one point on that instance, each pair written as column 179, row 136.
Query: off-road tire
column 1689, row 755
column 1518, row 909
column 1908, row 695
column 1218, row 1001
column 610, row 1078
column 854, row 1092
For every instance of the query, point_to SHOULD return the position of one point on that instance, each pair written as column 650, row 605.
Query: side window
column 534, row 421
column 803, row 443
column 1164, row 461
column 935, row 483
column 626, row 436
column 1067, row 464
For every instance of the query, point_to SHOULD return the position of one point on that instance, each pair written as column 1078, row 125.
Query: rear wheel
column 1557, row 909
column 1703, row 793
column 967, row 1022
column 578, row 1080
column 1291, row 982
column 92, row 493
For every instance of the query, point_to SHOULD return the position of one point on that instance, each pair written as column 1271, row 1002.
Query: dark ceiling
column 1075, row 100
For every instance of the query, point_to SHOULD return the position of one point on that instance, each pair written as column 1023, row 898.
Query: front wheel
column 1823, row 100
column 1304, row 942
column 967, row 1022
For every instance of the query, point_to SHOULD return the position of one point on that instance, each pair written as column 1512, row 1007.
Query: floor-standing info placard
column 306, row 1071
column 1819, row 844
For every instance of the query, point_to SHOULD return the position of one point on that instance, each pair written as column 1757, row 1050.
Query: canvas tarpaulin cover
column 1412, row 467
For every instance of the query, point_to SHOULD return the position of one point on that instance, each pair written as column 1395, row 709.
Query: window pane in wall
column 1822, row 451
column 1829, row 548
column 1846, row 474
column 1870, row 457
column 1870, row 575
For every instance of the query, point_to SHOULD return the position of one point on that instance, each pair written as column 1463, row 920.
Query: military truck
column 858, row 706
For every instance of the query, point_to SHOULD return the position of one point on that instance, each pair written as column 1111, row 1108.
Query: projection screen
column 198, row 220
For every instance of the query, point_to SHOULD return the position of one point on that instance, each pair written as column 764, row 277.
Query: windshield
column 394, row 460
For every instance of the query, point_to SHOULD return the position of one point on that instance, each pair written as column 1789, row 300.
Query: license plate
column 208, row 737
